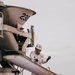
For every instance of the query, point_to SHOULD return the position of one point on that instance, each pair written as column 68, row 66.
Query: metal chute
column 27, row 64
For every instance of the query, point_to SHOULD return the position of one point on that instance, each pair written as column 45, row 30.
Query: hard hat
column 38, row 46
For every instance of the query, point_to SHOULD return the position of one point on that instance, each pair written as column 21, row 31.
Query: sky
column 54, row 26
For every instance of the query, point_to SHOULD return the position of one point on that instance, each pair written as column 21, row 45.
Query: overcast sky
column 54, row 26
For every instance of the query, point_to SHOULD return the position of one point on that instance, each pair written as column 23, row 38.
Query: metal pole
column 32, row 34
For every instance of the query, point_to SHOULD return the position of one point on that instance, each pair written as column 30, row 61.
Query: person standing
column 38, row 57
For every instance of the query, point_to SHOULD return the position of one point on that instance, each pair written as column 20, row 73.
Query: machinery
column 14, row 41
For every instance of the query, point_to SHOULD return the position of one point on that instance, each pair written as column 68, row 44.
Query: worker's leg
column 33, row 74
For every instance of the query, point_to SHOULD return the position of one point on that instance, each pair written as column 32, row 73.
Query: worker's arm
column 42, row 60
column 45, row 60
column 32, row 56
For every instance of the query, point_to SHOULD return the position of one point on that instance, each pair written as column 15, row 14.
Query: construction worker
column 38, row 57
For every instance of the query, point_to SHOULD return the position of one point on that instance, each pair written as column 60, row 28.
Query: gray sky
column 54, row 26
